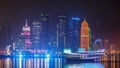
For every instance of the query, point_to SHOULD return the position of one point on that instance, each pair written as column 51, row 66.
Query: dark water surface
column 52, row 63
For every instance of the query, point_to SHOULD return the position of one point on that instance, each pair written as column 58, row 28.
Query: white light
column 67, row 50
column 19, row 52
column 36, row 55
column 47, row 55
column 20, row 62
column 20, row 55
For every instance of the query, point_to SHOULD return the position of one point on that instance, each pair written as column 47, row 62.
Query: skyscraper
column 61, row 32
column 44, row 19
column 74, row 31
column 26, row 35
column 36, row 35
column 85, row 36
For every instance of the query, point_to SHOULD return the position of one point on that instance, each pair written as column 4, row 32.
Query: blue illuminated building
column 44, row 19
column 36, row 35
column 74, row 33
column 61, row 32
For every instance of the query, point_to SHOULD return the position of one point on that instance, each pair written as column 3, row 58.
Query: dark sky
column 103, row 16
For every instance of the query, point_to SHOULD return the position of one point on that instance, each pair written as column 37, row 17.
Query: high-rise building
column 85, row 36
column 74, row 31
column 26, row 35
column 61, row 32
column 44, row 19
column 5, row 35
column 36, row 35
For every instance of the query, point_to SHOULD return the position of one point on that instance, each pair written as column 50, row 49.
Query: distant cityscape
column 72, row 33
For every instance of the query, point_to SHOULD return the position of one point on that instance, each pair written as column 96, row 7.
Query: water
column 52, row 63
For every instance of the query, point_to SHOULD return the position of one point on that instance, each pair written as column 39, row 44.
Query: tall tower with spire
column 26, row 35
column 85, row 36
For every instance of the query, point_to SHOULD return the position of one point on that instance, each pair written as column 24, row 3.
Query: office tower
column 61, row 32
column 36, row 32
column 44, row 19
column 73, row 39
column 5, row 35
column 26, row 35
column 85, row 37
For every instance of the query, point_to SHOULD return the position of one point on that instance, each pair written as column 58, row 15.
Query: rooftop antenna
column 26, row 23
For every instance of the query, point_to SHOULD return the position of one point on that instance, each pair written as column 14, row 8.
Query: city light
column 84, row 36
column 20, row 55
column 47, row 55
column 76, row 18
column 36, row 55
column 67, row 50
column 60, row 34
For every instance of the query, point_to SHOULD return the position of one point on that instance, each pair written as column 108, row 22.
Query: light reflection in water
column 23, row 61
column 51, row 63
column 111, row 64
column 46, row 62
column 38, row 62
column 84, row 65
column 34, row 61
column 20, row 62
column 42, row 63
column 28, row 63
column 58, row 63
column 7, row 62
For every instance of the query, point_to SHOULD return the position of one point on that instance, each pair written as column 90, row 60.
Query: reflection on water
column 93, row 65
column 85, row 65
column 51, row 63
column 111, row 64
column 31, row 63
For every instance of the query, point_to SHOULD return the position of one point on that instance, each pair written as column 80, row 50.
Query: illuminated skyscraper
column 85, row 38
column 74, row 31
column 36, row 38
column 44, row 19
column 61, row 32
column 26, row 35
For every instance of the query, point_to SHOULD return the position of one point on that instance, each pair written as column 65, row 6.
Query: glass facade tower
column 74, row 31
column 44, row 19
column 61, row 32
column 36, row 38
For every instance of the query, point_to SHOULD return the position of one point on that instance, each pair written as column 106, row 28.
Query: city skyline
column 59, row 34
column 102, row 16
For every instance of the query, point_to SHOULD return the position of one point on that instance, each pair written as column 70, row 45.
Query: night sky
column 102, row 16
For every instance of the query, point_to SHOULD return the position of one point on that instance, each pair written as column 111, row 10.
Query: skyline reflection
column 52, row 63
